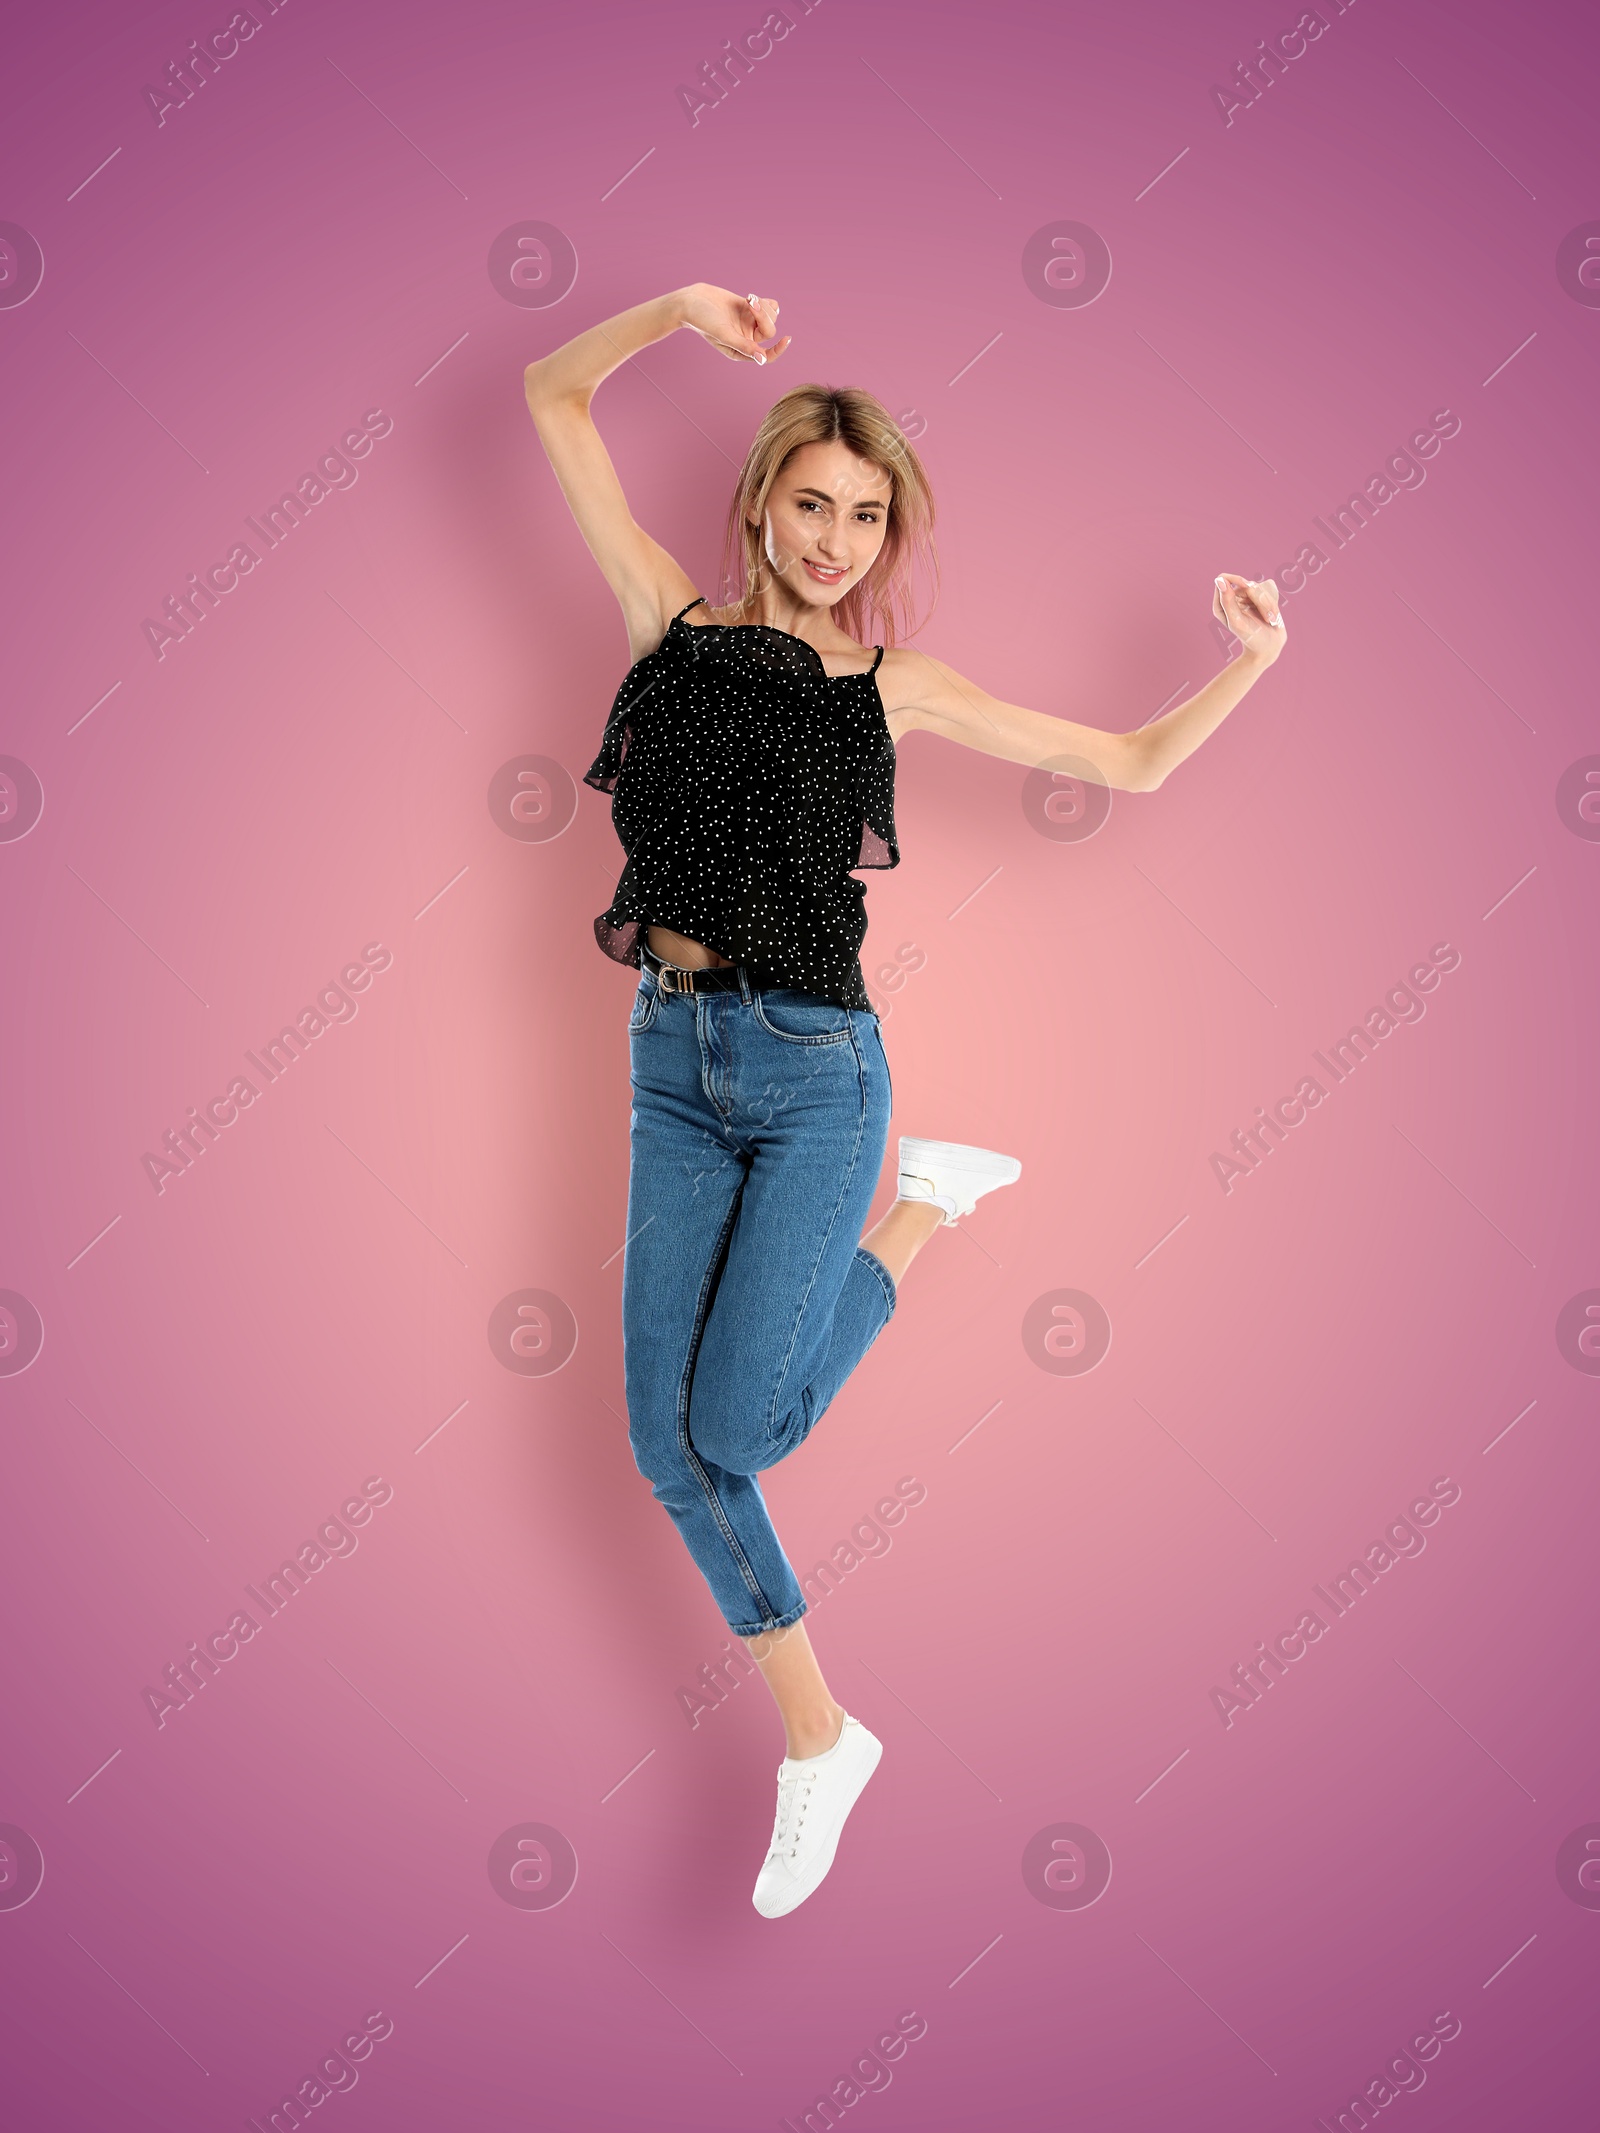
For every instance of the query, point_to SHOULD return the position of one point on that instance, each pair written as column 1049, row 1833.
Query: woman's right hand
column 737, row 326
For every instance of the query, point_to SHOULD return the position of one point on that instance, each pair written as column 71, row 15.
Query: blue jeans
column 758, row 1130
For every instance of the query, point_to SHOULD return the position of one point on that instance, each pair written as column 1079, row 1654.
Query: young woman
column 751, row 755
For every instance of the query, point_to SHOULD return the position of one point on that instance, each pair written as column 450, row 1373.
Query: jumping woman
column 751, row 755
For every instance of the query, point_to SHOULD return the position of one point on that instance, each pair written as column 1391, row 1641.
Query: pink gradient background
column 308, row 1840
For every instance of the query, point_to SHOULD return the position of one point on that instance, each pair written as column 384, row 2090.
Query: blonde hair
column 825, row 414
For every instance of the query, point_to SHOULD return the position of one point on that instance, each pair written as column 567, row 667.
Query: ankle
column 940, row 1204
column 814, row 1734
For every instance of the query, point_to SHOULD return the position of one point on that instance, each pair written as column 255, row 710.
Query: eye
column 809, row 504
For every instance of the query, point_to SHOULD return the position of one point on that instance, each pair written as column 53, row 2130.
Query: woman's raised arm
column 924, row 693
column 648, row 582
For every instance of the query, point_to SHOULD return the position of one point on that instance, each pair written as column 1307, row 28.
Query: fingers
column 1251, row 602
column 763, row 322
column 1229, row 606
column 1236, row 611
column 739, row 326
column 752, row 320
column 1243, row 619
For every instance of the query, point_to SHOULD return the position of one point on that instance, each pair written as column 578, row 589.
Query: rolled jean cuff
column 764, row 1629
column 876, row 1266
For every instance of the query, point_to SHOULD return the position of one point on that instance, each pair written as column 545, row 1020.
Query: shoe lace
column 794, row 1796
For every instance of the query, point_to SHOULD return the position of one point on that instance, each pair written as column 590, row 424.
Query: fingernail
column 760, row 358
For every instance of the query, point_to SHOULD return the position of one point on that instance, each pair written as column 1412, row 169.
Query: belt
column 673, row 978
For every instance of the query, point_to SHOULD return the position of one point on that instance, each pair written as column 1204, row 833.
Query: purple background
column 1294, row 1896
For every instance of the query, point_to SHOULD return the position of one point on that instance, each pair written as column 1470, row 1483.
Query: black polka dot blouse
column 747, row 783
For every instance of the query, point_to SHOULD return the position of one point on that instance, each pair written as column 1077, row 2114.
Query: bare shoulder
column 915, row 688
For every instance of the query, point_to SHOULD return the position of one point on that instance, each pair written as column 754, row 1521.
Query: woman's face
column 825, row 521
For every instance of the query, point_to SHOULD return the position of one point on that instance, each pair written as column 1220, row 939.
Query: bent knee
column 734, row 1451
column 729, row 1434
column 747, row 1443
column 669, row 1466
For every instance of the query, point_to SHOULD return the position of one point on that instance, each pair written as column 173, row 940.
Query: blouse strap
column 699, row 600
column 878, row 661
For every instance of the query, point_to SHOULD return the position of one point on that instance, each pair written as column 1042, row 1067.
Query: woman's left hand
column 1249, row 607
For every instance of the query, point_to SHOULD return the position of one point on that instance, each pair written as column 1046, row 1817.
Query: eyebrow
column 862, row 503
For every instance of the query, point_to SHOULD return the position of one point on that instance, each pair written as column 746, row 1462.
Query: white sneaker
column 952, row 1177
column 814, row 1797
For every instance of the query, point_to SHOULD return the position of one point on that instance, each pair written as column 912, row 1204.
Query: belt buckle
column 671, row 978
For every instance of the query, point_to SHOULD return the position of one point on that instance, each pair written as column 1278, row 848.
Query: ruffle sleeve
column 880, row 845
column 631, row 703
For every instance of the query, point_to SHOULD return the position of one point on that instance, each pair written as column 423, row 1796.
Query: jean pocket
column 645, row 1002
column 800, row 1017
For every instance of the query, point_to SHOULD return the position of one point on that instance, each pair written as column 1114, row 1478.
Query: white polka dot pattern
column 747, row 783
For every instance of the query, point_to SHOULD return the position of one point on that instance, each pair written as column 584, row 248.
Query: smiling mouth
column 822, row 575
